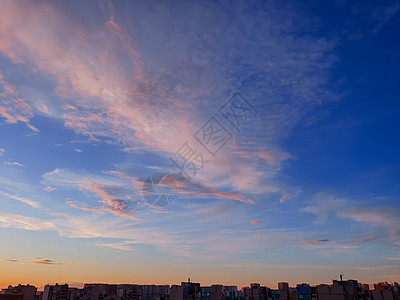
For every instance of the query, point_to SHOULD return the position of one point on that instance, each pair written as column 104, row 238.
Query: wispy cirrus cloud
column 14, row 163
column 315, row 242
column 12, row 107
column 342, row 243
column 10, row 260
column 115, row 193
column 140, row 99
column 124, row 246
column 114, row 205
column 208, row 244
column 143, row 78
column 393, row 258
column 285, row 198
column 185, row 187
column 23, row 222
column 34, row 204
column 196, row 189
column 122, row 192
column 324, row 206
column 375, row 16
column 38, row 261
column 66, row 179
column 279, row 266
column 47, row 262
column 379, row 268
column 383, row 218
column 205, row 236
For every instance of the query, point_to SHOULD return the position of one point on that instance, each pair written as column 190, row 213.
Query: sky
column 229, row 142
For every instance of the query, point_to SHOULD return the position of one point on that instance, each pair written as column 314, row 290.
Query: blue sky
column 301, row 185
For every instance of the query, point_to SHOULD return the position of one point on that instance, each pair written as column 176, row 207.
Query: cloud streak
column 38, row 261
column 315, row 242
column 49, row 188
column 32, row 203
column 14, row 163
column 47, row 262
column 23, row 222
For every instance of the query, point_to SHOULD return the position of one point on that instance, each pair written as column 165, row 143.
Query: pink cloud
column 14, row 163
column 116, row 194
column 138, row 184
column 10, row 260
column 49, row 189
column 118, row 93
column 104, row 102
column 114, row 205
column 38, row 261
column 314, row 242
column 197, row 189
column 273, row 157
column 384, row 217
column 285, row 198
column 378, row 268
column 68, row 106
column 30, row 202
column 255, row 222
column 13, row 108
column 111, row 103
column 379, row 216
column 125, row 246
column 47, row 262
column 24, row 222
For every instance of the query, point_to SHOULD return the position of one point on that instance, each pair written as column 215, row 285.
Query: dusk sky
column 274, row 126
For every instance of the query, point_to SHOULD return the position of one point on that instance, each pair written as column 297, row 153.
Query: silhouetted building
column 326, row 292
column 129, row 291
column 266, row 293
column 275, row 294
column 154, row 292
column 206, row 293
column 216, row 292
column 14, row 296
column 284, row 293
column 385, row 291
column 350, row 288
column 176, row 292
column 253, row 292
column 363, row 291
column 303, row 291
column 230, row 292
column 55, row 292
column 191, row 290
column 314, row 295
column 100, row 291
column 28, row 292
column 339, row 290
column 293, row 293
